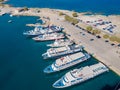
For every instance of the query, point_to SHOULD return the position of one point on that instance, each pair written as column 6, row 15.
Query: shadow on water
column 114, row 87
column 108, row 87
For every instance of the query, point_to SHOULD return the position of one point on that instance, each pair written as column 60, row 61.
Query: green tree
column 1, row 0
column 71, row 20
column 114, row 38
column 74, row 14
column 96, row 31
column 67, row 18
column 106, row 36
column 89, row 28
column 75, row 21
column 61, row 13
column 25, row 9
column 118, row 40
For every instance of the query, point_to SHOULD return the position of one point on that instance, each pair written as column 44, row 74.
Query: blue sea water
column 106, row 7
column 21, row 64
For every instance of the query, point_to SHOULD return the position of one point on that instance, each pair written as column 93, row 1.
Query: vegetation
column 89, row 29
column 2, row 5
column 74, row 14
column 106, row 36
column 71, row 20
column 61, row 13
column 96, row 31
column 114, row 38
column 25, row 9
column 1, row 0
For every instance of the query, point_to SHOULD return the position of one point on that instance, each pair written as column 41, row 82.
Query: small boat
column 61, row 51
column 48, row 37
column 80, row 75
column 66, row 62
column 40, row 30
column 11, row 15
column 9, row 21
column 60, row 43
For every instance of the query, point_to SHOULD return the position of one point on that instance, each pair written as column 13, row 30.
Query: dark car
column 92, row 39
column 106, row 41
column 80, row 32
column 112, row 44
column 98, row 36
column 83, row 34
column 68, row 35
column 118, row 45
column 76, row 25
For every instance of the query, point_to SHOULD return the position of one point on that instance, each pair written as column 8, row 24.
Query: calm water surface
column 106, row 7
column 21, row 64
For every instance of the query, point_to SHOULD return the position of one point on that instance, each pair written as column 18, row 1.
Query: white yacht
column 39, row 30
column 57, row 52
column 36, row 31
column 66, row 62
column 47, row 37
column 80, row 75
column 60, row 43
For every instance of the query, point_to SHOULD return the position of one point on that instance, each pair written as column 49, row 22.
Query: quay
column 101, row 50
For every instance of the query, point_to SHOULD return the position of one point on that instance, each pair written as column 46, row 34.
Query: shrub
column 74, row 14
column 96, row 31
column 114, row 38
column 89, row 28
column 25, row 9
column 1, row 0
column 106, row 36
column 71, row 20
column 61, row 13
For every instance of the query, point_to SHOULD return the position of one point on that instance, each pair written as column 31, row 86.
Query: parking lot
column 103, row 50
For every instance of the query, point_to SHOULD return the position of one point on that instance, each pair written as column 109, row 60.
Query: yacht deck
column 69, row 58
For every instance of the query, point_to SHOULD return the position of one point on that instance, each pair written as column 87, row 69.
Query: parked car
column 112, row 44
column 98, row 37
column 118, row 45
column 92, row 39
column 106, row 41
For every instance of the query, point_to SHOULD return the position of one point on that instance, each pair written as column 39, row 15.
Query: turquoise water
column 106, row 7
column 21, row 64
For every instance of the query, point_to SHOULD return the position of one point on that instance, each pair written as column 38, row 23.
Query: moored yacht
column 36, row 31
column 57, row 52
column 47, row 37
column 39, row 30
column 60, row 43
column 66, row 62
column 80, row 75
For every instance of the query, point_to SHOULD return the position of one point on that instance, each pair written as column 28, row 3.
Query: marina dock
column 103, row 51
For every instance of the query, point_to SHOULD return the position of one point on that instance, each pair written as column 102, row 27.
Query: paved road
column 102, row 50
